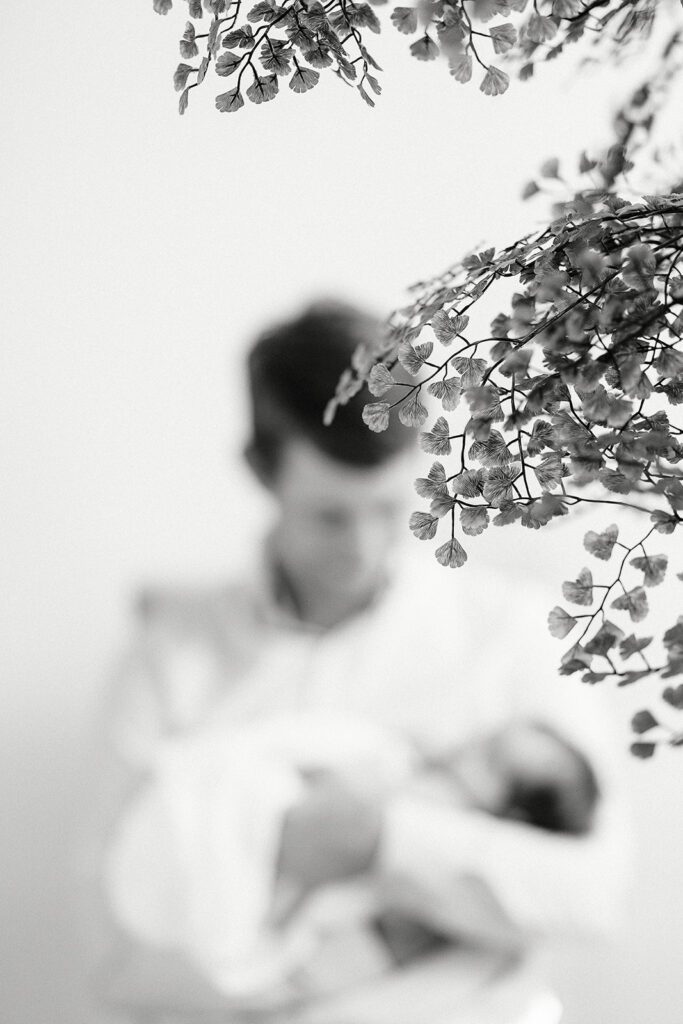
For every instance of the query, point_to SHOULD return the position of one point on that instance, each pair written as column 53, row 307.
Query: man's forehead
column 304, row 465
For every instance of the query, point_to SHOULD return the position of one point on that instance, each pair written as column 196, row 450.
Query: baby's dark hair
column 557, row 808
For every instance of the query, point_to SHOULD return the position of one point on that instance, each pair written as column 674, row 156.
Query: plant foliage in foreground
column 261, row 45
column 573, row 396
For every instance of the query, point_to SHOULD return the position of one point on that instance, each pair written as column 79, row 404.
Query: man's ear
column 258, row 465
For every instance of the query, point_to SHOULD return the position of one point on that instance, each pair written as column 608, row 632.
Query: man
column 336, row 617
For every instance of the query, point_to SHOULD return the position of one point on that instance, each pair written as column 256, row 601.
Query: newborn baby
column 195, row 864
column 525, row 771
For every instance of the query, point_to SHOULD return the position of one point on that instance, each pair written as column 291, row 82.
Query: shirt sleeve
column 192, row 865
column 137, row 719
column 542, row 882
column 132, row 720
column 166, row 680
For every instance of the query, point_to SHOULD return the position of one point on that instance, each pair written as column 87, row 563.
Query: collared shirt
column 437, row 657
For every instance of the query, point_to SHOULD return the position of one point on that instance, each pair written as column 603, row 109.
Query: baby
column 523, row 771
column 249, row 928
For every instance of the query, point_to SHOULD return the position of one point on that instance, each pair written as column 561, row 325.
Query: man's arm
column 541, row 881
column 461, row 872
column 332, row 834
column 132, row 720
column 466, row 872
column 449, row 866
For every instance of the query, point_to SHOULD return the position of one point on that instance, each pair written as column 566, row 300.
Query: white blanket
column 193, row 865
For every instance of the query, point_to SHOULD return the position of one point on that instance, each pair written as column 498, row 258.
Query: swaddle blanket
column 194, row 863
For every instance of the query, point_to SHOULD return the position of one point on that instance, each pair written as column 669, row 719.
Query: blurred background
column 141, row 251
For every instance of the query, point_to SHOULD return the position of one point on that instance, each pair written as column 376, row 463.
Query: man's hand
column 332, row 834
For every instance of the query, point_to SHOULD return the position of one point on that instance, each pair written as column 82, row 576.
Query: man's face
column 338, row 524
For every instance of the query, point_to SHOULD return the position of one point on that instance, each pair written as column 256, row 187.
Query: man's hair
column 293, row 370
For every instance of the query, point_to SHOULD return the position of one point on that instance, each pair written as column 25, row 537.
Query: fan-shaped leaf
column 411, row 412
column 437, row 441
column 405, row 19
column 451, row 554
column 376, row 416
column 632, row 644
column 447, row 391
column 180, row 75
column 263, row 88
column 380, row 380
column 643, row 721
column 461, row 67
column 601, row 544
column 540, row 29
column 498, row 485
column 504, row 37
column 425, row 48
column 470, row 369
column 560, row 622
column 469, row 483
column 423, row 525
column 643, row 750
column 634, row 602
column 434, row 483
column 492, row 452
column 549, row 471
column 605, row 638
column 303, row 79
column 495, row 82
column 542, row 435
column 230, row 101
column 412, row 358
column 447, row 327
column 227, row 63
column 442, row 503
column 276, row 59
column 653, row 567
column 242, row 37
column 474, row 520
column 580, row 590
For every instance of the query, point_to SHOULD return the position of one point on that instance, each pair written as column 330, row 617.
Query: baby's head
column 528, row 772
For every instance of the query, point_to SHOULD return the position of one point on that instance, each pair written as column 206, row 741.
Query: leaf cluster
column 294, row 40
column 573, row 396
column 603, row 649
column 261, row 45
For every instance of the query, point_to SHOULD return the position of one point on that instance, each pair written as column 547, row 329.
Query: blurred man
column 336, row 616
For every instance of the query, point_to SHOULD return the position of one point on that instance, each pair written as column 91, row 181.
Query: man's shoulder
column 194, row 608
column 182, row 599
column 190, row 641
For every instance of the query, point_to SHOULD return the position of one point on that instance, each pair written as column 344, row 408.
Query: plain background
column 140, row 253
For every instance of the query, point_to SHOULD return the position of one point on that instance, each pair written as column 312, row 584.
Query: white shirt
column 438, row 657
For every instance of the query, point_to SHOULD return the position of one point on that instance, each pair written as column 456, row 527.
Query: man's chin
column 354, row 586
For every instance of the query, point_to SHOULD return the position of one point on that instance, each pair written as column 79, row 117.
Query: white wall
column 140, row 251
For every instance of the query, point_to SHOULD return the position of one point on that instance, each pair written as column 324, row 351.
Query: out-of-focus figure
column 492, row 819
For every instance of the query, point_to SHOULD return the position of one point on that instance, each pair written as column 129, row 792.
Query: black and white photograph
column 342, row 512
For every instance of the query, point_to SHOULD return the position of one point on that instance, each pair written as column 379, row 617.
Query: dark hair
column 554, row 806
column 293, row 370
